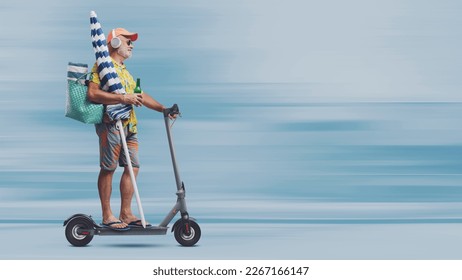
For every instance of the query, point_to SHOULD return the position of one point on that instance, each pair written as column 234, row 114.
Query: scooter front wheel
column 187, row 233
column 76, row 232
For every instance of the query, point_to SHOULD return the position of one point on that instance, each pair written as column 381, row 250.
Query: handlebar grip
column 174, row 110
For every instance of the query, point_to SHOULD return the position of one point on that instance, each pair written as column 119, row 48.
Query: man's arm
column 95, row 94
column 151, row 103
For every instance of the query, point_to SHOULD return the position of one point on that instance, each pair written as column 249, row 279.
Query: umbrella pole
column 132, row 174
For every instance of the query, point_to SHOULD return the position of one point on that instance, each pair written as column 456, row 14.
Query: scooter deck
column 152, row 230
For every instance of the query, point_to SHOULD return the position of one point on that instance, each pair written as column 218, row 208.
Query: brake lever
column 174, row 119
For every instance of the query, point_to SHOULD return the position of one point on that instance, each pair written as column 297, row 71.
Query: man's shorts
column 111, row 149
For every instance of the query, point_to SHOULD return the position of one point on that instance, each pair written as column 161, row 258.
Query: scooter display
column 81, row 228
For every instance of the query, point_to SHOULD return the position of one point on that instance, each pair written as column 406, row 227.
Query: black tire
column 187, row 239
column 71, row 232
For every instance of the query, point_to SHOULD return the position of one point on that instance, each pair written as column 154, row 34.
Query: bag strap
column 84, row 76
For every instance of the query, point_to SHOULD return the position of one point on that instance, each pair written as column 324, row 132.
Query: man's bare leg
column 127, row 191
column 105, row 191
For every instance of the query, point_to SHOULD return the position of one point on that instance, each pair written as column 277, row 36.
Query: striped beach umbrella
column 110, row 81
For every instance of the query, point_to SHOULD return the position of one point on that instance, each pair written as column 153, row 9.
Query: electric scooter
column 80, row 228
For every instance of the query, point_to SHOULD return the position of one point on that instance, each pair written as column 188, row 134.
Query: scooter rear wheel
column 187, row 236
column 73, row 232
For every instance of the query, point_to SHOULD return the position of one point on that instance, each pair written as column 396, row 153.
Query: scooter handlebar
column 174, row 110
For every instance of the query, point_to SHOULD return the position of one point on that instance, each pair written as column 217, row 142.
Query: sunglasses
column 128, row 41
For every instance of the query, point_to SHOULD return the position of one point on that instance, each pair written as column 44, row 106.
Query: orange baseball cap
column 121, row 31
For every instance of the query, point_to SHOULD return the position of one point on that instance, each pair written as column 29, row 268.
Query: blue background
column 298, row 112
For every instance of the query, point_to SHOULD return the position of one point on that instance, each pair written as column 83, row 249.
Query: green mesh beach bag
column 78, row 107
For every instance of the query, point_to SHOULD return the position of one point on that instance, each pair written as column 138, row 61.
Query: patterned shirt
column 129, row 85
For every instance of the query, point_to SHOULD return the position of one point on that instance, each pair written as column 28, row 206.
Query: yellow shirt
column 129, row 85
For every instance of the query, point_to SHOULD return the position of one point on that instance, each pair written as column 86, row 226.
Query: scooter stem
column 130, row 169
column 172, row 111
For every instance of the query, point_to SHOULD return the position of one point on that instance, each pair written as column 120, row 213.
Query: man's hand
column 133, row 99
column 172, row 117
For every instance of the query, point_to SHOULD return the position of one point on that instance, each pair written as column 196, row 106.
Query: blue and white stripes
column 110, row 81
column 77, row 72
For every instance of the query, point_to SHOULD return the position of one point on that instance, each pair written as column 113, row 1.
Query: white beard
column 124, row 52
